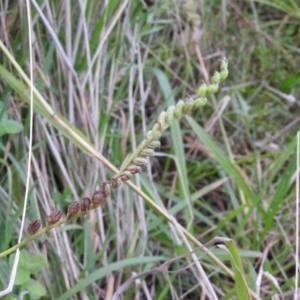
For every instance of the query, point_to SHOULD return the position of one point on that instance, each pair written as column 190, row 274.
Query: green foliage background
column 226, row 170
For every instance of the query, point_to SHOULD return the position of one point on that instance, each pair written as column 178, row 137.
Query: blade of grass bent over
column 236, row 263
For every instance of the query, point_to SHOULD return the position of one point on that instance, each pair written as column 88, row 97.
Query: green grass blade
column 224, row 161
column 21, row 89
column 98, row 274
column 239, row 276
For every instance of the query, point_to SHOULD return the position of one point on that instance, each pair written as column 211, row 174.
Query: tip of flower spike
column 224, row 64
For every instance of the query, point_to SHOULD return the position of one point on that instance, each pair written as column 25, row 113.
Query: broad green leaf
column 36, row 263
column 22, row 276
column 24, row 259
column 35, row 288
column 8, row 126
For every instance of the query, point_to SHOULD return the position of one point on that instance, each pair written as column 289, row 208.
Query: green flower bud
column 149, row 134
column 179, row 109
column 161, row 120
column 224, row 74
column 216, row 78
column 199, row 102
column 170, row 114
column 224, row 64
column 188, row 106
column 202, row 90
column 212, row 88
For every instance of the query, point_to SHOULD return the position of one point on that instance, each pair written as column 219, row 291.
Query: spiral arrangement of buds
column 133, row 164
column 166, row 118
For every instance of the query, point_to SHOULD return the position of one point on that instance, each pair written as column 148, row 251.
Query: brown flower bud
column 85, row 205
column 72, row 210
column 134, row 169
column 54, row 217
column 33, row 226
column 97, row 198
column 115, row 182
column 105, row 189
column 125, row 176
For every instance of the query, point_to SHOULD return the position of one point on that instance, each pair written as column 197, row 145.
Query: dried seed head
column 97, row 198
column 73, row 209
column 154, row 144
column 85, row 205
column 146, row 152
column 125, row 175
column 33, row 226
column 105, row 189
column 54, row 217
column 140, row 161
column 115, row 182
column 134, row 169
